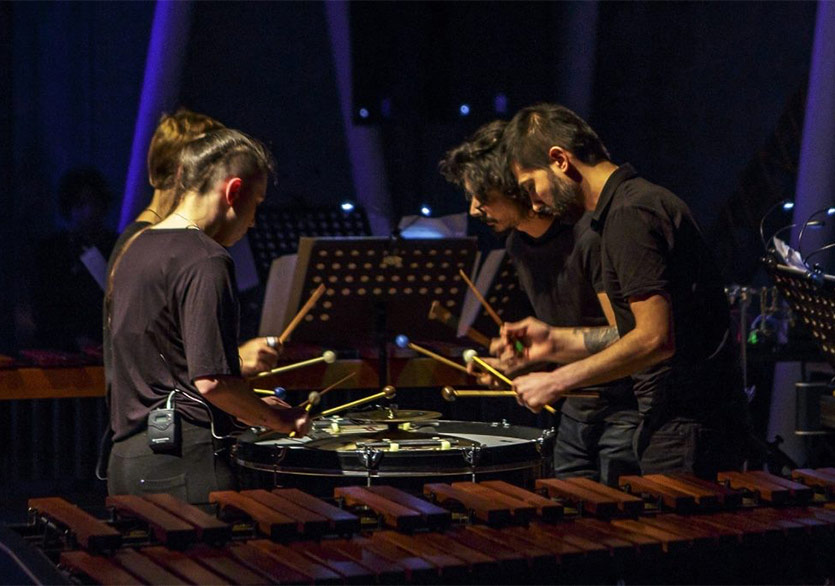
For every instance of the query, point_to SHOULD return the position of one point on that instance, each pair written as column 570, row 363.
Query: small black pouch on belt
column 164, row 434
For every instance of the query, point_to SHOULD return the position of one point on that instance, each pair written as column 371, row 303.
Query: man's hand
column 485, row 378
column 538, row 389
column 257, row 356
column 535, row 339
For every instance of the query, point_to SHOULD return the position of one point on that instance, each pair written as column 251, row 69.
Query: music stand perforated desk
column 811, row 296
column 376, row 289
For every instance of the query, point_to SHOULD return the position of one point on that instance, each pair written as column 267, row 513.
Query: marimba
column 750, row 527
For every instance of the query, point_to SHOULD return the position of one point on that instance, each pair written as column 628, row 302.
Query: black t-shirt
column 561, row 273
column 174, row 318
column 107, row 353
column 651, row 244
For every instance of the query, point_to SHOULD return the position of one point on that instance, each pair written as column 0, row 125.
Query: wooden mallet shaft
column 490, row 311
column 328, row 357
column 320, row 290
column 387, row 393
column 328, row 388
column 503, row 378
column 437, row 357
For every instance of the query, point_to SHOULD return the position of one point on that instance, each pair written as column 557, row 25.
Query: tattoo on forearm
column 597, row 339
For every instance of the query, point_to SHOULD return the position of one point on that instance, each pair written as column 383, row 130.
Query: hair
column 172, row 132
column 220, row 152
column 480, row 162
column 534, row 130
column 80, row 183
column 202, row 162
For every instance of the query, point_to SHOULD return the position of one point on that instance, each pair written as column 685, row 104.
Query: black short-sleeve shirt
column 561, row 274
column 651, row 244
column 174, row 318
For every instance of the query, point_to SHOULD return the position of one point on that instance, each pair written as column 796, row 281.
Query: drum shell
column 517, row 454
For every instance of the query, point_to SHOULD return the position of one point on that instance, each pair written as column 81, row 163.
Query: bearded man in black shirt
column 559, row 269
column 669, row 303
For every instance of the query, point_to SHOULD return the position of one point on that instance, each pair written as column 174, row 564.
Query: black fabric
column 174, row 318
column 107, row 352
column 600, row 450
column 651, row 244
column 561, row 274
column 199, row 468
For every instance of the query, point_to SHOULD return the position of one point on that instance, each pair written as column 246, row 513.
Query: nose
column 475, row 210
column 536, row 202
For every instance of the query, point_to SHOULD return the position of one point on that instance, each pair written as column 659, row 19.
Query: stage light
column 830, row 212
column 347, row 206
column 788, row 206
column 363, row 113
column 426, row 210
column 500, row 103
column 464, row 109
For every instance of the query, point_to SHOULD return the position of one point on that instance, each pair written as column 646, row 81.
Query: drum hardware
column 471, row 456
column 278, row 458
column 371, row 458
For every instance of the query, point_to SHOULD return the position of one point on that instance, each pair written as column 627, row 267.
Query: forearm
column 628, row 355
column 233, row 395
column 573, row 344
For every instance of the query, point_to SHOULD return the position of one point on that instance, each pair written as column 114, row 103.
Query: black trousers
column 686, row 445
column 199, row 467
column 599, row 450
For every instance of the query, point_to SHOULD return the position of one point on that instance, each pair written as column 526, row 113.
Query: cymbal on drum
column 393, row 416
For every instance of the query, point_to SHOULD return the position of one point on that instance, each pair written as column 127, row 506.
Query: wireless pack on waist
column 164, row 433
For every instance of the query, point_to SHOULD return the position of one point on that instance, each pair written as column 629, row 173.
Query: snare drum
column 340, row 452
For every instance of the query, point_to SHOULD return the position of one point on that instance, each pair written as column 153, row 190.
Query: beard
column 566, row 198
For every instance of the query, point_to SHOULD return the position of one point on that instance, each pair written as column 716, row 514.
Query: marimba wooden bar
column 690, row 531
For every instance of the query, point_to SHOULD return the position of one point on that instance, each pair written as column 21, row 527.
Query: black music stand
column 377, row 288
column 498, row 283
column 278, row 229
column 811, row 296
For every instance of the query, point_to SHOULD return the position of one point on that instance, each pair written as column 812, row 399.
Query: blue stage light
column 464, row 109
column 363, row 113
column 347, row 206
column 500, row 103
column 426, row 210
